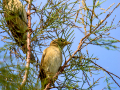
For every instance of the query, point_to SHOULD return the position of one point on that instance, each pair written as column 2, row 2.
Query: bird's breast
column 52, row 60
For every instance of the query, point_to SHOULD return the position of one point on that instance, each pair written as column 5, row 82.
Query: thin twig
column 79, row 48
column 108, row 73
column 65, row 64
column 86, row 79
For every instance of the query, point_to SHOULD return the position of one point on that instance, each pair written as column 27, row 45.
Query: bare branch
column 80, row 47
column 108, row 73
column 28, row 47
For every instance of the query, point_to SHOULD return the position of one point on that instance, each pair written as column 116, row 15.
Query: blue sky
column 110, row 60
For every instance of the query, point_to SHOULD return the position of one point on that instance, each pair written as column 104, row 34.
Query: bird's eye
column 62, row 40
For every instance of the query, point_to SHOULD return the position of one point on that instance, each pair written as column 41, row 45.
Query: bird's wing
column 16, row 18
column 42, row 74
column 42, row 59
column 17, row 8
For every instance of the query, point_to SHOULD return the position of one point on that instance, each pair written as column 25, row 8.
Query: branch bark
column 79, row 48
column 28, row 47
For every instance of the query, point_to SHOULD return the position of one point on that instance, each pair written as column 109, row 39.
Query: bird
column 16, row 19
column 51, row 60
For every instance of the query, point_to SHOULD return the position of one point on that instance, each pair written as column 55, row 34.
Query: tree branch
column 28, row 47
column 65, row 64
column 108, row 73
column 80, row 47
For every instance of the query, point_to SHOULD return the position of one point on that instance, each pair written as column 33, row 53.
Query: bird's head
column 59, row 43
column 5, row 2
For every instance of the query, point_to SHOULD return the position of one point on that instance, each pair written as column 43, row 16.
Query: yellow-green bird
column 16, row 18
column 51, row 60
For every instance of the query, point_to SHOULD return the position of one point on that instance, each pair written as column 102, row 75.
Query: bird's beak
column 66, row 43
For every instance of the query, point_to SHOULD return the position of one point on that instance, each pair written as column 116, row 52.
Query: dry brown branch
column 96, row 81
column 80, row 47
column 65, row 64
column 86, row 79
column 92, row 16
column 28, row 47
column 106, row 17
column 108, row 73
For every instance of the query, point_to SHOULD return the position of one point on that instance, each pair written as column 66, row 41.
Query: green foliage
column 9, row 78
column 108, row 44
column 59, row 19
